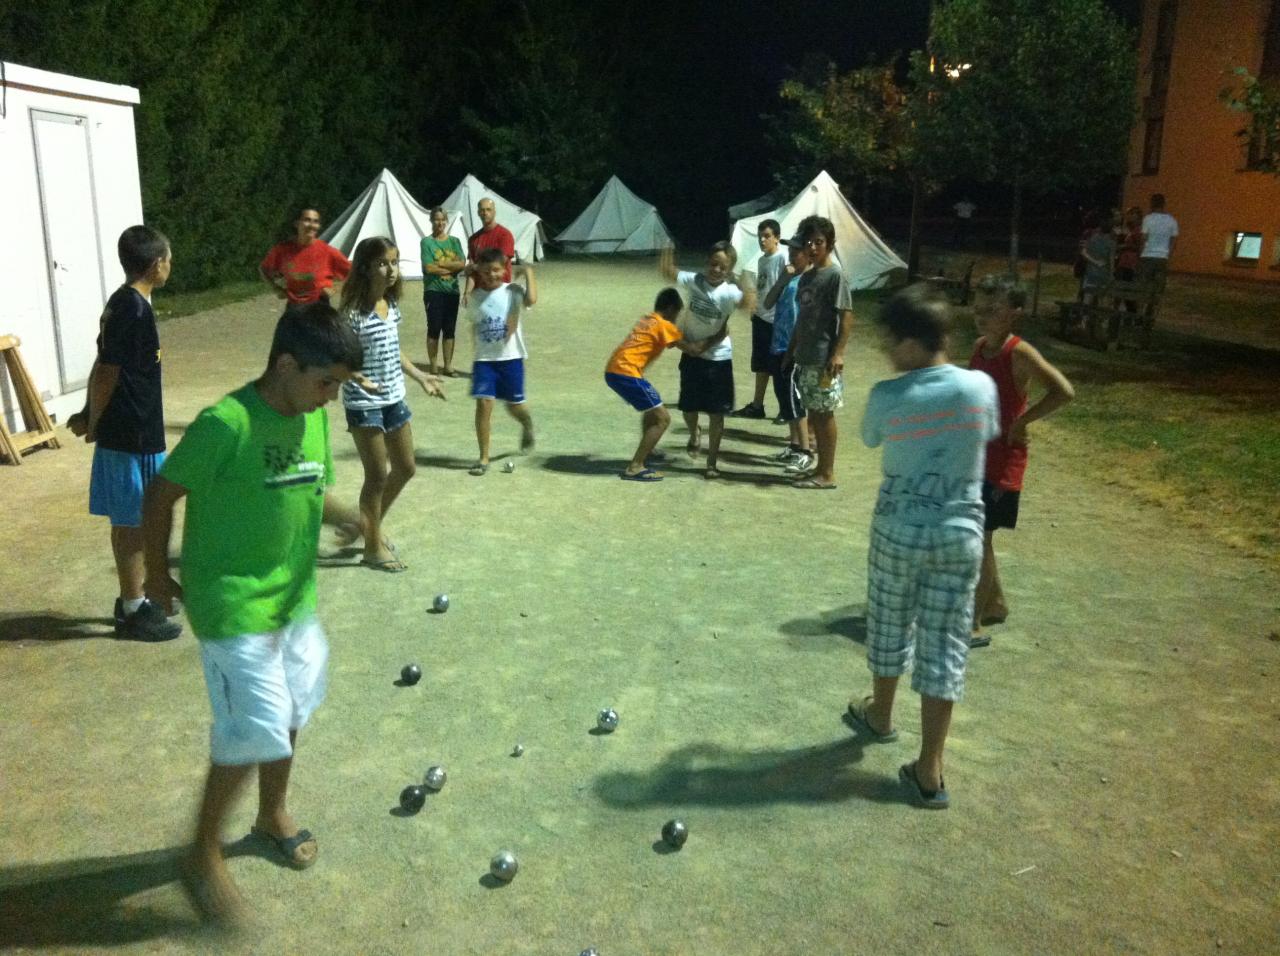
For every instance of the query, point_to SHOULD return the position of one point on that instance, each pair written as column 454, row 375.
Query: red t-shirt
column 308, row 270
column 499, row 237
column 1006, row 463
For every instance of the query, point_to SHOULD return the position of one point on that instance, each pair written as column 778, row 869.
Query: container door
column 71, row 240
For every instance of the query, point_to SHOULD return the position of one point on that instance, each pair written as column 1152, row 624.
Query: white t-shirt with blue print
column 934, row 424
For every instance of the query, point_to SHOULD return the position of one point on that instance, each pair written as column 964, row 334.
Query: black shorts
column 1002, row 506
column 442, row 313
column 785, row 390
column 705, row 386
column 761, row 342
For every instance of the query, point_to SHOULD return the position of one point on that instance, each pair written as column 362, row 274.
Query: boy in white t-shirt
column 497, row 372
column 1159, row 235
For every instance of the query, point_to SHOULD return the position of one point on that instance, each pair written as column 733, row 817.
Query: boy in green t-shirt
column 254, row 469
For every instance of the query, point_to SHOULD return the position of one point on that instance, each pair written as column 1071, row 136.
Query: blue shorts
column 636, row 392
column 117, row 483
column 502, row 380
column 387, row 418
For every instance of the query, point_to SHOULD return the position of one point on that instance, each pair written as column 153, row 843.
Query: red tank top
column 1005, row 463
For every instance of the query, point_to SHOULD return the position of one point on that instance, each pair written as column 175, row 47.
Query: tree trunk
column 1014, row 218
column 913, row 240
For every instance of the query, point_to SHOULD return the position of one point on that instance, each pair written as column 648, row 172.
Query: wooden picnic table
column 1105, row 319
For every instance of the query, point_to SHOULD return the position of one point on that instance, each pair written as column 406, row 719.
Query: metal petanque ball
column 590, row 952
column 607, row 720
column 411, row 674
column 440, row 604
column 504, row 866
column 412, row 798
column 509, row 467
column 435, row 778
column 517, row 750
column 674, row 833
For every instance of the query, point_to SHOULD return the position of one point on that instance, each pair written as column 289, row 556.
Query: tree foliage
column 1037, row 95
column 1259, row 100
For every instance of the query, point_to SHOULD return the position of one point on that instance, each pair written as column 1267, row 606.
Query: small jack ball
column 504, row 866
column 411, row 674
column 607, row 720
column 412, row 798
column 674, row 833
column 441, row 603
column 435, row 778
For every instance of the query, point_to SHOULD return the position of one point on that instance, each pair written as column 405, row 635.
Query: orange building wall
column 1202, row 174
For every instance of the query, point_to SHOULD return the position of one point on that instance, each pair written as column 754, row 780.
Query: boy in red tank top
column 1014, row 364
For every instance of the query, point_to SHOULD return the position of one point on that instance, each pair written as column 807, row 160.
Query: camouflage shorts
column 814, row 395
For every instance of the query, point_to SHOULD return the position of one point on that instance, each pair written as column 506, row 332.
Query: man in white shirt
column 1159, row 234
column 964, row 210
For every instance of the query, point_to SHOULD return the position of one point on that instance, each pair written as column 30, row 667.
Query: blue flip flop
column 929, row 799
column 289, row 846
column 647, row 474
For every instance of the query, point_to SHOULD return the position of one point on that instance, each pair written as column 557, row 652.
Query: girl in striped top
column 377, row 414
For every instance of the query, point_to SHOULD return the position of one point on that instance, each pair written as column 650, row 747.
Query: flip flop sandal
column 478, row 469
column 647, row 475
column 857, row 717
column 929, row 799
column 811, row 484
column 392, row 565
column 979, row 640
column 289, row 846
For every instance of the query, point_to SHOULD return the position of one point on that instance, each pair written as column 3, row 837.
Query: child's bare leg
column 988, row 601
column 521, row 414
column 653, row 425
column 801, row 426
column 824, row 426
column 402, row 464
column 126, row 547
column 433, row 346
column 762, row 383
column 448, row 354
column 880, row 710
column 484, row 418
column 218, row 897
column 714, row 433
column 695, row 436
column 273, row 788
column 935, row 722
column 372, row 446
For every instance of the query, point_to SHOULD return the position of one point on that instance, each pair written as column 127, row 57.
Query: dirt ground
column 1113, row 767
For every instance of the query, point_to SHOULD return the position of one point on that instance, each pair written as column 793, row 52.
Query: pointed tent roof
column 865, row 258
column 525, row 226
column 617, row 220
column 753, row 206
column 385, row 208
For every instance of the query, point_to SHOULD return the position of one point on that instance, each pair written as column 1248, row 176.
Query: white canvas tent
column 865, row 258
column 616, row 221
column 525, row 226
column 69, row 165
column 752, row 206
column 385, row 208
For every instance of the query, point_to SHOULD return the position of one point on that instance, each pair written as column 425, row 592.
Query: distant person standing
column 769, row 266
column 1128, row 248
column 303, row 269
column 1098, row 252
column 442, row 260
column 1159, row 235
column 964, row 210
column 490, row 235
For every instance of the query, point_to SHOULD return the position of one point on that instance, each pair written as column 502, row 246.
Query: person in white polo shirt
column 1159, row 234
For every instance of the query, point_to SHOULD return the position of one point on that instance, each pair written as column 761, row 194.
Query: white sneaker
column 802, row 463
column 786, row 456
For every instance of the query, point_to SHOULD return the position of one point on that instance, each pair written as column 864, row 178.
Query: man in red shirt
column 489, row 236
column 302, row 269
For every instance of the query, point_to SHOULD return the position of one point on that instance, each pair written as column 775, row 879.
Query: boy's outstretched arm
column 1028, row 365
column 157, row 528
column 667, row 263
column 431, row 384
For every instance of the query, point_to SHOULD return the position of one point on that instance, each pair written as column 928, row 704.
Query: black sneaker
column 147, row 623
column 748, row 410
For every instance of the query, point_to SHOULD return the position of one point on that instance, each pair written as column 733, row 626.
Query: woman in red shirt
column 303, row 269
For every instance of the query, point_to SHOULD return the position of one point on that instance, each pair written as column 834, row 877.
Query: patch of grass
column 171, row 305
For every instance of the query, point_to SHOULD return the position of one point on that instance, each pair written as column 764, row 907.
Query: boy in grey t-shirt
column 934, row 422
column 824, row 319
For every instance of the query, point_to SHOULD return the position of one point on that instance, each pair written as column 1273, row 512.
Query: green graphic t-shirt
column 255, row 481
column 448, row 249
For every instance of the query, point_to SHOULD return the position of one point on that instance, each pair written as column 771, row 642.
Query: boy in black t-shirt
column 125, row 418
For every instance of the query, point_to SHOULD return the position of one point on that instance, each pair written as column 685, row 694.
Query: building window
column 1151, row 146
column 1247, row 247
column 1271, row 46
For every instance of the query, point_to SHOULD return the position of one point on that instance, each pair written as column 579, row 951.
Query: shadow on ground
column 85, row 902
column 51, row 626
column 708, row 774
column 814, row 633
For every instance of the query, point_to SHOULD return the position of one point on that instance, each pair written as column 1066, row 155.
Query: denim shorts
column 386, row 418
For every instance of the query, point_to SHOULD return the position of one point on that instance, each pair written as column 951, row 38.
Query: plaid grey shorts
column 920, row 583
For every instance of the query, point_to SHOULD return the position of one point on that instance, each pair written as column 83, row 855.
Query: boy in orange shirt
column 652, row 335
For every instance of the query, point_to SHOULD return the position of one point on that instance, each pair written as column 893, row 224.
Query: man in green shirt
column 254, row 469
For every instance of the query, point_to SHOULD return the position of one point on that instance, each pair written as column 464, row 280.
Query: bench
column 956, row 289
column 1105, row 319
